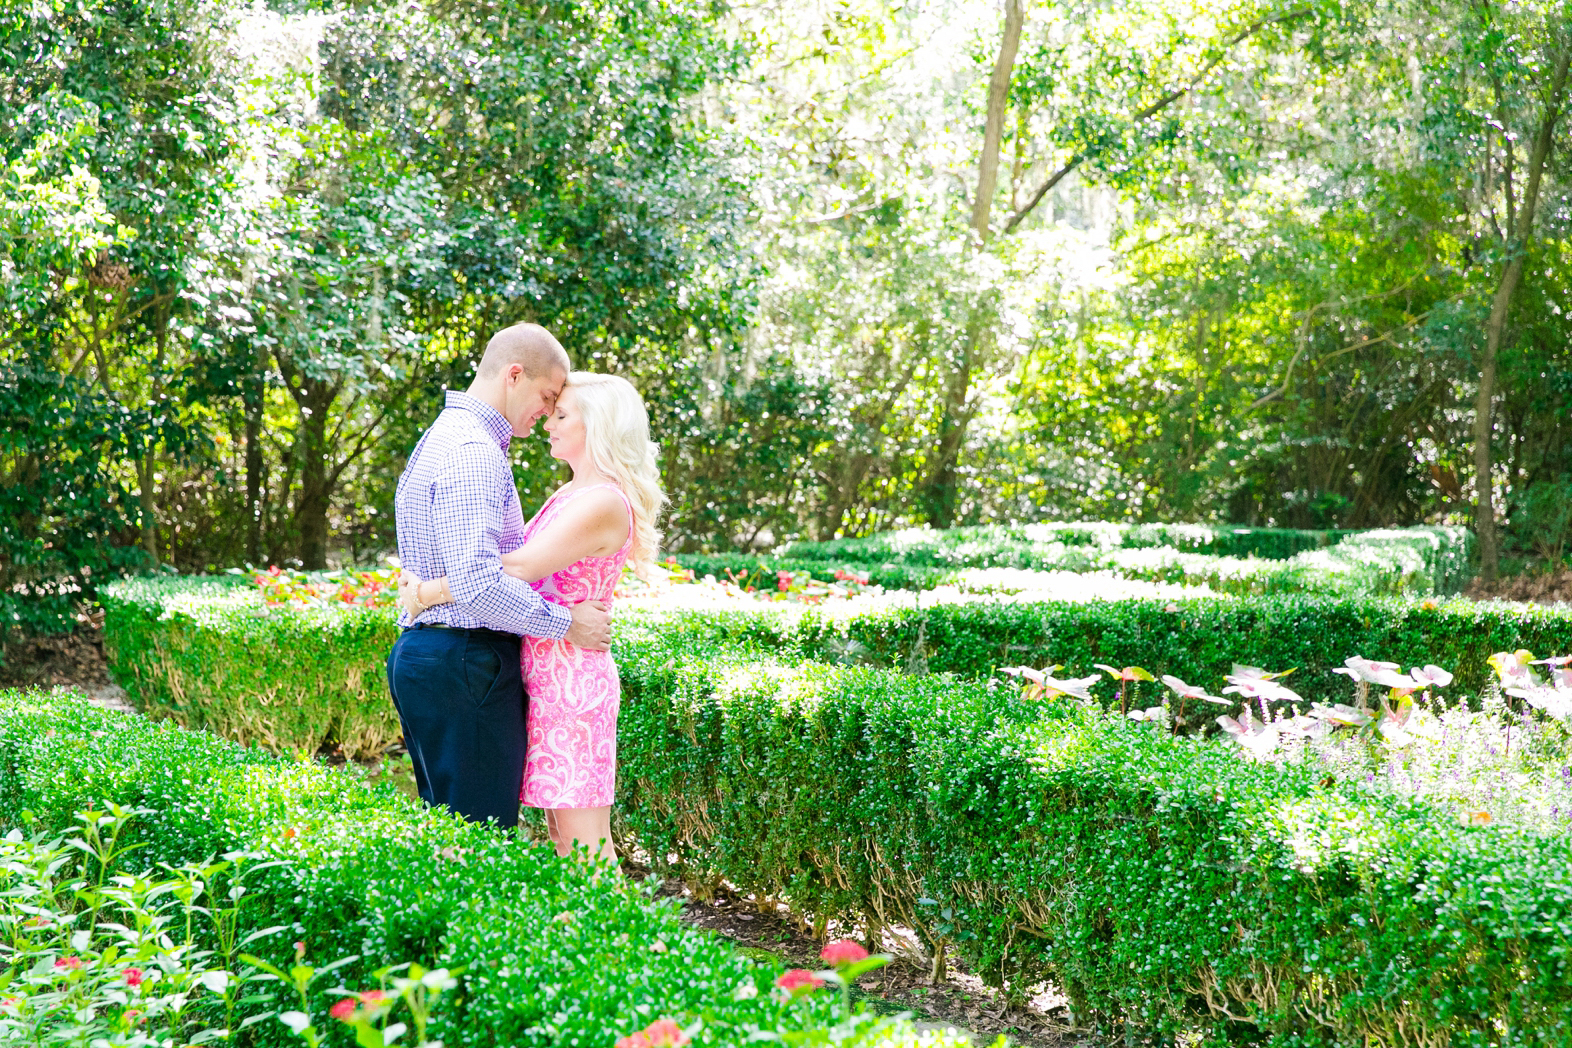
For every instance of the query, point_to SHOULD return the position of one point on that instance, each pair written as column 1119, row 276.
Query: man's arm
column 466, row 515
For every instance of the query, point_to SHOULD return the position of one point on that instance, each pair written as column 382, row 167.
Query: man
column 454, row 674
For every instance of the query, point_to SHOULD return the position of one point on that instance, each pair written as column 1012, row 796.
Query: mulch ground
column 1536, row 587
column 960, row 998
column 73, row 658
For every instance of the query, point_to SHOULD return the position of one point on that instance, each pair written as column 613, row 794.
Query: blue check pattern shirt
column 458, row 512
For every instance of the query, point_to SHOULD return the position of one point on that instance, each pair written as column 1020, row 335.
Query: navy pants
column 460, row 698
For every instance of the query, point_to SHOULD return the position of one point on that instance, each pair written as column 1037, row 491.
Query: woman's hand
column 408, row 590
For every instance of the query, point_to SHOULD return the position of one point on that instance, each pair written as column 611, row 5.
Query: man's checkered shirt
column 458, row 512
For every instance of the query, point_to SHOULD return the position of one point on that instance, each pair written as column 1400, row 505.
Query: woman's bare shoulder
column 601, row 505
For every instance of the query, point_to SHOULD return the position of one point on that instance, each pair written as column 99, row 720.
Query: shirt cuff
column 561, row 619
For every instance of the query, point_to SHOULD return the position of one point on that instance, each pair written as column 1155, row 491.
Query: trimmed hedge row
column 206, row 652
column 1409, row 561
column 1164, row 883
column 965, row 544
column 554, row 952
column 194, row 650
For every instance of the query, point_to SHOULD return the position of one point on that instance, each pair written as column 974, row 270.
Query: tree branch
column 993, row 129
column 1152, row 110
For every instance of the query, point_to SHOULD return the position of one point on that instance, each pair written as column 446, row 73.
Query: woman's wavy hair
column 617, row 438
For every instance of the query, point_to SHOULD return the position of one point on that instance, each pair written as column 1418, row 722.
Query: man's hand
column 408, row 584
column 591, row 626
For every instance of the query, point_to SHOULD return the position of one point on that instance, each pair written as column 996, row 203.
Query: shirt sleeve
column 466, row 517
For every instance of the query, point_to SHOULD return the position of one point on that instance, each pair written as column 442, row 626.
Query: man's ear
column 515, row 374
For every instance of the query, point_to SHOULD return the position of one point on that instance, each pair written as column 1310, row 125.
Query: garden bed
column 210, row 653
column 552, row 952
column 1165, row 883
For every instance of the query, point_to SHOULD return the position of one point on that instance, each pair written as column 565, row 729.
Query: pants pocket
column 482, row 665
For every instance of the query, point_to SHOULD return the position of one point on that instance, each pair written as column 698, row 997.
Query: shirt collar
column 497, row 427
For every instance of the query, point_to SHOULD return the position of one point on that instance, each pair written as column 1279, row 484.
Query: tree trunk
column 1520, row 232
column 941, row 491
column 254, row 467
column 993, row 129
column 316, row 482
column 148, row 506
column 1484, row 423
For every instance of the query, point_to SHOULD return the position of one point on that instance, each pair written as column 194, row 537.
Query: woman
column 574, row 550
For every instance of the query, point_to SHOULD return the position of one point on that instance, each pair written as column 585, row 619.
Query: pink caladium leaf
column 1259, row 688
column 1191, row 691
column 1386, row 674
column 1557, row 702
column 1338, row 713
column 1430, row 676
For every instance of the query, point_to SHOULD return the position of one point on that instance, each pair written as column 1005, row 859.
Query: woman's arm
column 595, row 524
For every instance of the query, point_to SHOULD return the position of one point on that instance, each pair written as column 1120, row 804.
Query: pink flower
column 373, row 998
column 843, row 951
column 69, row 964
column 664, row 1033
column 133, row 977
column 783, row 580
column 343, row 1010
column 799, row 981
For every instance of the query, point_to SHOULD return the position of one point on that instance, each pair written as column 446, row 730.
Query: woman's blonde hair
column 617, row 439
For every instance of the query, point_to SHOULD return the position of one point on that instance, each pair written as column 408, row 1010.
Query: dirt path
column 960, row 1000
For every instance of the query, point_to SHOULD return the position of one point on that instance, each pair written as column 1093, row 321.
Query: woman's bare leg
column 590, row 827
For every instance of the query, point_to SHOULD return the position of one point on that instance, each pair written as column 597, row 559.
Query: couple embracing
column 501, row 674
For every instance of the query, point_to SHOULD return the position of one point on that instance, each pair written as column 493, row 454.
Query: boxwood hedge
column 1416, row 561
column 198, row 651
column 867, row 769
column 208, row 653
column 1165, row 884
column 554, row 952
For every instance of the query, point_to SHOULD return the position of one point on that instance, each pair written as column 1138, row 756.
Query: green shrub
column 208, row 653
column 1163, row 883
column 554, row 952
column 1414, row 561
column 759, row 572
column 290, row 680
column 1013, row 545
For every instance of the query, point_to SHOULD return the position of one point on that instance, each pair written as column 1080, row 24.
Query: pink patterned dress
column 570, row 758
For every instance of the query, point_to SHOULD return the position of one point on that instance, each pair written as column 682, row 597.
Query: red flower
column 69, row 964
column 783, row 580
column 662, row 1033
column 344, row 1009
column 133, row 977
column 843, row 951
column 799, row 981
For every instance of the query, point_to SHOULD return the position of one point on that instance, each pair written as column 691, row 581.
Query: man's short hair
column 530, row 346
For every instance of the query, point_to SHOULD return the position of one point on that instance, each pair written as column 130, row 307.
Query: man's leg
column 492, row 737
column 461, row 701
column 412, row 674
